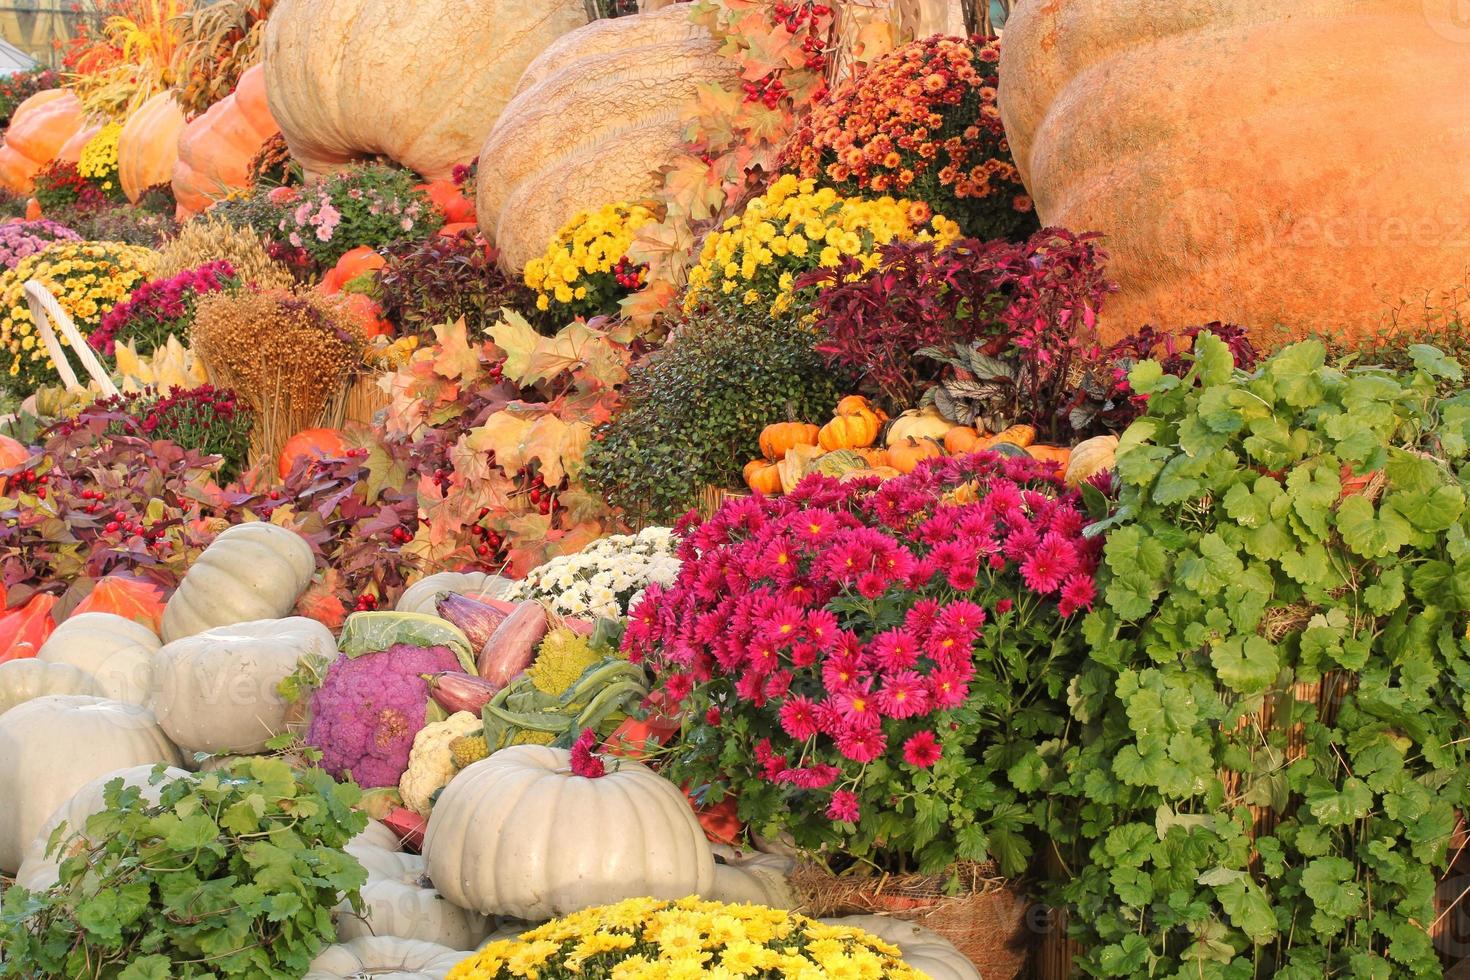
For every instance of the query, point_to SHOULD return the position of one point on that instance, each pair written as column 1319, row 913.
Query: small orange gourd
column 905, row 456
column 1060, row 455
column 779, row 437
column 1017, row 435
column 855, row 431
column 962, row 439
column 857, row 404
column 763, row 476
column 874, row 457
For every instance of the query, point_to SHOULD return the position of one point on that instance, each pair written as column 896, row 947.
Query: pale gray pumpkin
column 385, row 957
column 216, row 691
column 401, row 901
column 37, row 870
column 519, row 834
column 252, row 571
column 52, row 746
column 421, row 596
column 115, row 651
column 27, row 679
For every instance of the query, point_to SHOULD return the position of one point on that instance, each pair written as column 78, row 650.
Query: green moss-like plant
column 695, row 410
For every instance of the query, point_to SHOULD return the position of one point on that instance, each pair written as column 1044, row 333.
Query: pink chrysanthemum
column 922, row 750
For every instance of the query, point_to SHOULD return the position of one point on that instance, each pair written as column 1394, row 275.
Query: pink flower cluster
column 24, row 238
column 840, row 622
column 161, row 307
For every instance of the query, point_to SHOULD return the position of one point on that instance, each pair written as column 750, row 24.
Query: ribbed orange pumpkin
column 1317, row 190
column 778, row 437
column 763, row 477
column 148, row 146
column 310, row 444
column 39, row 128
column 215, row 149
column 592, row 121
column 908, row 454
column 420, row 82
column 856, row 430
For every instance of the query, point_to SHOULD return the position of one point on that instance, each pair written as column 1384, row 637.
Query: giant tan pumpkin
column 39, row 128
column 418, row 81
column 148, row 146
column 1301, row 162
column 215, row 149
column 592, row 121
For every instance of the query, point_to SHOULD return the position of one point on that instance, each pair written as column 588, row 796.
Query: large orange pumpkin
column 215, row 150
column 13, row 454
column 39, row 128
column 71, row 150
column 1294, row 162
column 309, row 444
column 24, row 629
column 148, row 146
column 130, row 598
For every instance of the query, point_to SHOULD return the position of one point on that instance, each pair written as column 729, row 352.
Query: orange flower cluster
column 922, row 123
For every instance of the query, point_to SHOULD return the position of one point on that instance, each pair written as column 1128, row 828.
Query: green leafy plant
column 230, row 874
column 696, row 408
column 1269, row 748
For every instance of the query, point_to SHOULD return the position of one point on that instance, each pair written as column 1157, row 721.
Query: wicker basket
column 365, row 399
column 987, row 922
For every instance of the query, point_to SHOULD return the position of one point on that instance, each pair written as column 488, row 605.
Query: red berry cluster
column 628, row 275
column 769, row 91
column 367, row 602
column 29, row 481
column 542, row 496
column 491, row 540
column 124, row 525
column 402, row 535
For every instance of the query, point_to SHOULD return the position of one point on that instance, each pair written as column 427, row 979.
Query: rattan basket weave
column 987, row 921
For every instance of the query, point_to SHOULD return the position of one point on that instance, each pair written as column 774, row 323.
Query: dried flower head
column 211, row 239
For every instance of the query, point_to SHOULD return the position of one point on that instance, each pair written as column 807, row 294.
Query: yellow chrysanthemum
column 587, row 248
column 769, row 245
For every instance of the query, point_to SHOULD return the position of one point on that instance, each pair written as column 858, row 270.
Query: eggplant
column 454, row 691
column 512, row 647
column 477, row 620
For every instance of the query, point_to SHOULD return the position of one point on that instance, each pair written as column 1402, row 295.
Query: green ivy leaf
column 1337, row 808
column 1249, row 909
column 1370, row 534
column 1328, row 881
column 1246, row 664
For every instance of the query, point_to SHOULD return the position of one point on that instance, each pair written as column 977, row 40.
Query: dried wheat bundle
column 292, row 356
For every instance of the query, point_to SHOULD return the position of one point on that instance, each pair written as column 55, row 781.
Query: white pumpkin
column 53, row 746
column 29, row 678
column 116, row 651
column 402, row 902
column 421, row 596
column 375, row 834
column 252, row 571
column 37, row 871
column 924, row 950
column 519, row 834
column 752, row 878
column 384, row 957
column 216, row 692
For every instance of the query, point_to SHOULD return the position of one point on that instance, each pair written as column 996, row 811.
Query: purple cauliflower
column 369, row 708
